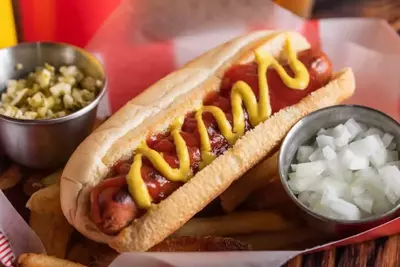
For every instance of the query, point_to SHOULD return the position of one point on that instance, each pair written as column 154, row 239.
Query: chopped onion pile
column 350, row 172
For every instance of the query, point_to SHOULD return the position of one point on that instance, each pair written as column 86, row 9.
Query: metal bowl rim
column 310, row 117
column 73, row 115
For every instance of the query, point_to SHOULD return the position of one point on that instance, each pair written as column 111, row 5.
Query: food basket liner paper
column 210, row 259
column 21, row 238
column 142, row 42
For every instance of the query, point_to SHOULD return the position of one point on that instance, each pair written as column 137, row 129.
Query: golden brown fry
column 40, row 260
column 46, row 200
column 53, row 230
column 281, row 240
column 10, row 177
column 271, row 196
column 207, row 243
column 259, row 176
column 235, row 223
column 48, row 221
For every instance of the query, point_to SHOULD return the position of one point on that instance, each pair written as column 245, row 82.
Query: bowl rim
column 75, row 114
column 311, row 116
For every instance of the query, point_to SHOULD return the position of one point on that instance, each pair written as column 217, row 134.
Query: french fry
column 281, row 240
column 53, row 230
column 259, row 176
column 10, row 177
column 271, row 196
column 234, row 224
column 40, row 260
column 48, row 221
column 46, row 200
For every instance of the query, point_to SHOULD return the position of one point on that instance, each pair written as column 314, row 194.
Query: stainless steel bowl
column 46, row 143
column 305, row 130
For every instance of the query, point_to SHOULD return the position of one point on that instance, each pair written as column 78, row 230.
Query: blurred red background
column 72, row 21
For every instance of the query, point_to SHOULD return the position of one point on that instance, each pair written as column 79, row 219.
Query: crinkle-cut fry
column 46, row 200
column 281, row 240
column 41, row 260
column 53, row 230
column 236, row 223
column 259, row 176
column 48, row 221
column 10, row 177
column 271, row 196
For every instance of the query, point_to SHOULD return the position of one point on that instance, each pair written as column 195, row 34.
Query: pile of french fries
column 257, row 212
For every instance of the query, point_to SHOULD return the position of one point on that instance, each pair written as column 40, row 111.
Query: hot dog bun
column 154, row 109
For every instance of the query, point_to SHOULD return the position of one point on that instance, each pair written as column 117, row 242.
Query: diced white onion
column 304, row 153
column 394, row 163
column 387, row 139
column 392, row 146
column 304, row 197
column 391, row 178
column 300, row 184
column 353, row 127
column 374, row 131
column 329, row 153
column 350, row 172
column 325, row 140
column 294, row 167
column 316, row 155
column 364, row 201
column 393, row 156
column 310, row 169
column 323, row 131
column 379, row 158
column 341, row 135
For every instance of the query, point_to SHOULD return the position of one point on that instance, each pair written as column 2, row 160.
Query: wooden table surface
column 382, row 252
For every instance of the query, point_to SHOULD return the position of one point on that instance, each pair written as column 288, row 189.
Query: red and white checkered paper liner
column 7, row 256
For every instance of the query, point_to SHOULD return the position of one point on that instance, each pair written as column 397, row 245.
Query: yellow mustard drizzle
column 241, row 94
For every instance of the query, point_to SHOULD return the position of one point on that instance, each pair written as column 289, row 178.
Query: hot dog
column 115, row 216
column 165, row 155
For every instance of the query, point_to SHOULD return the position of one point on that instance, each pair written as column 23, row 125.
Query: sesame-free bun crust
column 153, row 110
